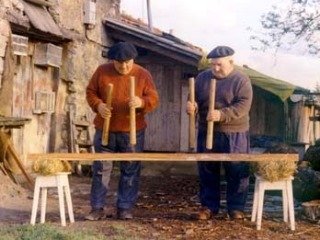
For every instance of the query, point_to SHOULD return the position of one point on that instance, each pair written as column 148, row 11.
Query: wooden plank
column 20, row 165
column 162, row 133
column 192, row 116
column 46, row 3
column 183, row 157
column 13, row 122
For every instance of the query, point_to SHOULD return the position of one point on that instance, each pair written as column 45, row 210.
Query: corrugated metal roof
column 157, row 41
column 144, row 26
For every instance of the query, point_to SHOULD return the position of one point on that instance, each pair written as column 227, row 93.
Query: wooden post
column 211, row 109
column 192, row 118
column 106, row 124
column 133, row 138
column 20, row 165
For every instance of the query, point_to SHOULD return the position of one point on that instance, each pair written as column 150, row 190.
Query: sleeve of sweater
column 241, row 104
column 149, row 94
column 92, row 91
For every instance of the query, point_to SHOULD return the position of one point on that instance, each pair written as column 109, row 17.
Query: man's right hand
column 104, row 111
column 192, row 107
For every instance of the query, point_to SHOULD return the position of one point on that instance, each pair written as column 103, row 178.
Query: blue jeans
column 237, row 173
column 128, row 185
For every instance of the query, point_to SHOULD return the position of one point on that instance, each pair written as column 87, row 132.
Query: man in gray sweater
column 233, row 98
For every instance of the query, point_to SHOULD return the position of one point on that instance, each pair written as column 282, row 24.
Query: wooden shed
column 281, row 113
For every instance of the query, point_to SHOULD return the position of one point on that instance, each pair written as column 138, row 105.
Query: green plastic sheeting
column 278, row 87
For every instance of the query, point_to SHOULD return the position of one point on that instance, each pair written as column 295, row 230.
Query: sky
column 209, row 23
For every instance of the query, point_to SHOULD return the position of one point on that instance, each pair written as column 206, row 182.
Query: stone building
column 48, row 52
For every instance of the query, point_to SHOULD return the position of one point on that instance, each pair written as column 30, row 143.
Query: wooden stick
column 133, row 138
column 155, row 157
column 211, row 109
column 106, row 124
column 16, row 158
column 192, row 118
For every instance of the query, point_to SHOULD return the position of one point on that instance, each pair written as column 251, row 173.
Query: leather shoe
column 96, row 214
column 205, row 214
column 236, row 215
column 124, row 214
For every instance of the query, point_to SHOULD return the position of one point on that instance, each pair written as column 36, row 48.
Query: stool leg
column 255, row 201
column 44, row 193
column 285, row 204
column 69, row 201
column 291, row 204
column 35, row 203
column 260, row 204
column 61, row 202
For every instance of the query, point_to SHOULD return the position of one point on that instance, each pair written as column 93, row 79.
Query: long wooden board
column 183, row 157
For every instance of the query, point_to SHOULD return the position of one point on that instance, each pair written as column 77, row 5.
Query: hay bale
column 275, row 170
column 50, row 167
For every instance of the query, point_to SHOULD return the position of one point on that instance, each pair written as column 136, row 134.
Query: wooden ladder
column 80, row 140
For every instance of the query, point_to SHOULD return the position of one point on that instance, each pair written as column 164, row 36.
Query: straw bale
column 50, row 167
column 275, row 170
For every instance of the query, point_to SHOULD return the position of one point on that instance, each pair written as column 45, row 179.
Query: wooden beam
column 183, row 157
column 20, row 165
column 46, row 3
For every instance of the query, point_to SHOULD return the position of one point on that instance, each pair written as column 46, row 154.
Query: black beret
column 122, row 51
column 221, row 51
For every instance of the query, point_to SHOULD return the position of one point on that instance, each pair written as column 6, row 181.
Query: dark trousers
column 236, row 173
column 128, row 185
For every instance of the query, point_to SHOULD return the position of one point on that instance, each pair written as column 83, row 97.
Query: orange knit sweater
column 96, row 93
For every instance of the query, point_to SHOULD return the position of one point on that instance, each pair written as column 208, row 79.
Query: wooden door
column 163, row 131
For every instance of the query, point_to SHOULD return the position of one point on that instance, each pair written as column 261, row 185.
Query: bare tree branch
column 298, row 23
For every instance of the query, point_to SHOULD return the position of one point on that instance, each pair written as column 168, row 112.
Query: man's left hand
column 215, row 116
column 136, row 102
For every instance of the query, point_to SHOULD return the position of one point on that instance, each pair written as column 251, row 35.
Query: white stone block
column 1, row 65
column 3, row 45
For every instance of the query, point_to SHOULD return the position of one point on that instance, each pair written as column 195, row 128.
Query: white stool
column 59, row 180
column 287, row 198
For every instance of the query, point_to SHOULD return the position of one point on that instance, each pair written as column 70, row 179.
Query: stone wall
column 81, row 56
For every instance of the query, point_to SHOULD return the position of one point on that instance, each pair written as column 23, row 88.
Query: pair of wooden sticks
column 209, row 141
column 106, row 125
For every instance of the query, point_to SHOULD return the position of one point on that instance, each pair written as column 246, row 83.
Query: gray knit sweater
column 233, row 97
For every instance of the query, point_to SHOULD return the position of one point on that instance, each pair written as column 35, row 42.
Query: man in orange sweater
column 145, row 100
